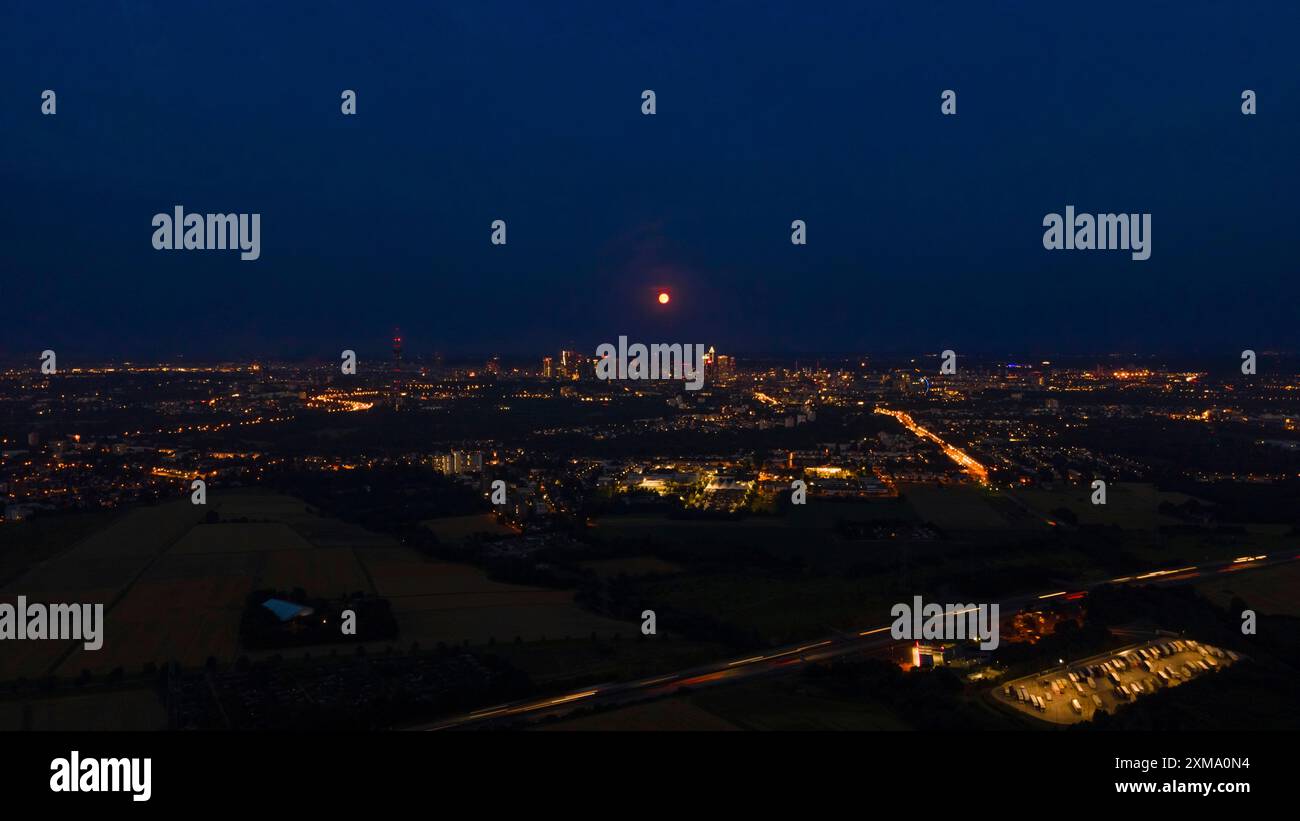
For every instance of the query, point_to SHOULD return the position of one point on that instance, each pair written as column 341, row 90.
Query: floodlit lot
column 1065, row 695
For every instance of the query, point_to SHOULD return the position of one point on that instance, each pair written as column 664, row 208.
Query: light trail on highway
column 960, row 457
column 785, row 659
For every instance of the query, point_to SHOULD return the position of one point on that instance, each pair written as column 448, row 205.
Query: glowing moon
column 664, row 298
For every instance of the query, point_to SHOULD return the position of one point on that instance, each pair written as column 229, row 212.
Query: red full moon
column 663, row 297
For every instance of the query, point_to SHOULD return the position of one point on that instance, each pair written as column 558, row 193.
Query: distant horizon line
column 1038, row 359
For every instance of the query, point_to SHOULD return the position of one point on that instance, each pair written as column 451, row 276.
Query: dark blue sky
column 924, row 231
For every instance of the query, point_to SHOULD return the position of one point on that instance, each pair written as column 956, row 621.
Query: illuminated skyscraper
column 398, row 386
column 568, row 365
column 726, row 366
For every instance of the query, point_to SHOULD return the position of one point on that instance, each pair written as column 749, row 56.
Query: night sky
column 924, row 231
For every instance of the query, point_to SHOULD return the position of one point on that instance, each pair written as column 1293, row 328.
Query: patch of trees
column 1106, row 546
column 925, row 699
column 1277, row 503
column 621, row 598
column 383, row 499
column 1066, row 515
column 1179, row 609
column 1067, row 641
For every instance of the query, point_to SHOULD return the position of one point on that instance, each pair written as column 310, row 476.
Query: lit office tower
column 583, row 367
column 568, row 365
column 726, row 366
column 398, row 387
column 548, row 367
column 494, row 366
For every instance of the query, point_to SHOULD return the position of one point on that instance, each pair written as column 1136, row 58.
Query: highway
column 957, row 455
column 792, row 657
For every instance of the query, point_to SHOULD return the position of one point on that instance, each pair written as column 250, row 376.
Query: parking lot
column 1075, row 691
